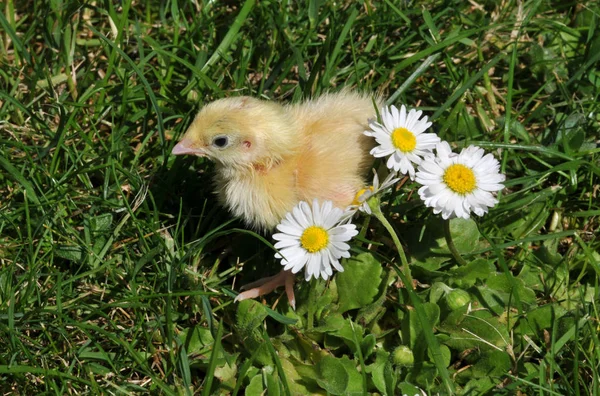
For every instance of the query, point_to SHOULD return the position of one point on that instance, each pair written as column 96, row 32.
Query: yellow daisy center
column 404, row 140
column 460, row 179
column 360, row 193
column 314, row 239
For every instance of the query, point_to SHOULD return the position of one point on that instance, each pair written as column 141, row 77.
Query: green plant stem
column 406, row 278
column 405, row 268
column 312, row 300
column 450, row 242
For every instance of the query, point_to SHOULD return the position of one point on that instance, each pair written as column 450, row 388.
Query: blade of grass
column 212, row 364
column 230, row 37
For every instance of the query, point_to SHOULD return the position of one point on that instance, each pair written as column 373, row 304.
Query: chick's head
column 240, row 132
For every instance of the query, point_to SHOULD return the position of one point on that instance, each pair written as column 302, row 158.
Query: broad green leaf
column 339, row 376
column 467, row 276
column 377, row 369
column 355, row 386
column 72, row 253
column 525, row 220
column 540, row 318
column 423, row 375
column 343, row 328
column 477, row 329
column 197, row 339
column 464, row 234
column 390, row 375
column 370, row 313
column 444, row 351
column 250, row 315
column 428, row 246
column 304, row 384
column 101, row 223
column 272, row 381
column 227, row 374
column 497, row 292
column 255, row 388
column 408, row 389
column 367, row 345
column 489, row 363
column 359, row 284
column 478, row 386
column 548, row 252
column 333, row 377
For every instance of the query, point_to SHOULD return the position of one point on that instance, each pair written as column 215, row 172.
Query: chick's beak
column 185, row 147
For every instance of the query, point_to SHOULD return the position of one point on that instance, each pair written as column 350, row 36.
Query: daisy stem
column 406, row 278
column 405, row 268
column 450, row 243
column 312, row 302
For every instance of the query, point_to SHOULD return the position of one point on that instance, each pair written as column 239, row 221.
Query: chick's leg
column 267, row 285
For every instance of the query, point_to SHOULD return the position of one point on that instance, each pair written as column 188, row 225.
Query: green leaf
column 368, row 345
column 272, row 381
column 227, row 374
column 390, row 376
column 377, row 369
column 196, row 339
column 301, row 383
column 355, row 383
column 412, row 334
column 467, row 276
column 72, row 253
column 250, row 315
column 479, row 386
column 408, row 389
column 101, row 223
column 444, row 351
column 497, row 293
column 464, row 234
column 477, row 329
column 255, row 388
column 540, row 318
column 333, row 376
column 526, row 221
column 338, row 326
column 490, row 363
column 428, row 243
column 571, row 135
column 339, row 376
column 358, row 286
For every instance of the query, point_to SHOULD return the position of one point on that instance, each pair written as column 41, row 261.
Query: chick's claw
column 267, row 285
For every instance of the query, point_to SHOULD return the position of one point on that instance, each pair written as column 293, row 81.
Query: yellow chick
column 269, row 157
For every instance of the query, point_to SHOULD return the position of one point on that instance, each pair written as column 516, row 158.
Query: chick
column 270, row 156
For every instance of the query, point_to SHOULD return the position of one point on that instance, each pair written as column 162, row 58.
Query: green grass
column 118, row 271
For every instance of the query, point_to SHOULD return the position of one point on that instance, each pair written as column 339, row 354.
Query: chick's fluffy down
column 279, row 155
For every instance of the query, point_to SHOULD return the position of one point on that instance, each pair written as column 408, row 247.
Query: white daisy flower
column 362, row 196
column 312, row 238
column 401, row 137
column 457, row 184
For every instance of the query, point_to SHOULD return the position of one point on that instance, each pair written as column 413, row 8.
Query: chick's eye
column 221, row 141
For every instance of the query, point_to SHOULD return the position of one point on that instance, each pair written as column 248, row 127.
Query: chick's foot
column 267, row 285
